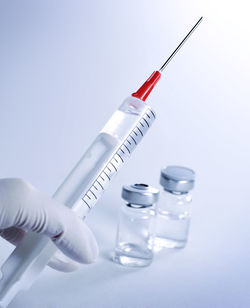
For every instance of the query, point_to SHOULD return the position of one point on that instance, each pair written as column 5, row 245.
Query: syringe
column 85, row 184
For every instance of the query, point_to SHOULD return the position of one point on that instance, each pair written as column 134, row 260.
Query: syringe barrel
column 130, row 121
column 80, row 191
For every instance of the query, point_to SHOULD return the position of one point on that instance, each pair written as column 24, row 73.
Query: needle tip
column 180, row 45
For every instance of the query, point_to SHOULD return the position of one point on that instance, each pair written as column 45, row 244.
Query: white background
column 65, row 67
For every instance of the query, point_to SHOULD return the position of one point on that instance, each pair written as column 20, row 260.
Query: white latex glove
column 23, row 208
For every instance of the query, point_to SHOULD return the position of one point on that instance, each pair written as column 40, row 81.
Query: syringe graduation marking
column 118, row 158
column 133, row 139
column 86, row 203
column 140, row 131
column 127, row 148
column 106, row 175
column 153, row 114
column 114, row 166
column 146, row 122
column 92, row 192
column 100, row 184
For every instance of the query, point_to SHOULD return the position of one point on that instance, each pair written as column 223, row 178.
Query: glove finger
column 13, row 235
column 76, row 240
column 58, row 262
column 62, row 263
column 23, row 206
column 67, row 231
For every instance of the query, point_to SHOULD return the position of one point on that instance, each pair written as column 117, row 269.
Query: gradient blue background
column 65, row 67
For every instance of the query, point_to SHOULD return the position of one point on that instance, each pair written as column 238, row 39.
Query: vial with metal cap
column 174, row 207
column 134, row 245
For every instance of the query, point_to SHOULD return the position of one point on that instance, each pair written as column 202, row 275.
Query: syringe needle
column 180, row 45
column 143, row 92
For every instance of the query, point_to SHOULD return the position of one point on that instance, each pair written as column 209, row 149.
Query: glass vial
column 136, row 225
column 174, row 207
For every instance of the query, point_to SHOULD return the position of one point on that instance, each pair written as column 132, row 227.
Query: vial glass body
column 134, row 233
column 173, row 220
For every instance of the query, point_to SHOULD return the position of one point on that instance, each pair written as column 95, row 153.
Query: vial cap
column 141, row 194
column 177, row 179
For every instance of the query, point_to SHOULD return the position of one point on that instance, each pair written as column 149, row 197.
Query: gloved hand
column 23, row 208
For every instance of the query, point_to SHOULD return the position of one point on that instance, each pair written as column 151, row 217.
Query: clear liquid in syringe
column 109, row 151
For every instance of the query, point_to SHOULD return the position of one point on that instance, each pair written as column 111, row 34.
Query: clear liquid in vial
column 171, row 231
column 133, row 255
